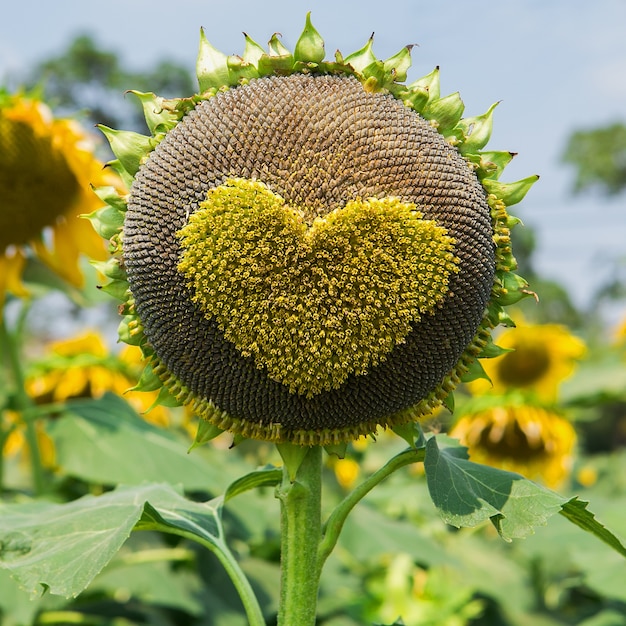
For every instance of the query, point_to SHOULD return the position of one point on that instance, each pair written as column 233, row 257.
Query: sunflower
column 530, row 440
column 46, row 166
column 15, row 443
column 310, row 249
column 82, row 367
column 620, row 332
column 539, row 358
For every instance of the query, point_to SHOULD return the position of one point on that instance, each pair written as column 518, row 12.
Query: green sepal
column 106, row 221
column 310, row 46
column 240, row 70
column 158, row 117
column 116, row 288
column 206, row 432
column 148, row 381
column 490, row 350
column 412, row 433
column 252, row 52
column 166, row 399
column 360, row 59
column 274, row 62
column 125, row 334
column 416, row 98
column 476, row 131
column 376, row 77
column 513, row 288
column 110, row 268
column 110, row 196
column 338, row 449
column 129, row 147
column 491, row 164
column 397, row 65
column 430, row 82
column 277, row 48
column 211, row 66
column 501, row 316
column 449, row 402
column 119, row 169
column 447, row 111
column 510, row 193
column 474, row 372
column 292, row 456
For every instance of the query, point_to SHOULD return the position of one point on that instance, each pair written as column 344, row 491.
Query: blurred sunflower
column 15, row 443
column 541, row 356
column 530, row 440
column 82, row 367
column 46, row 167
column 620, row 332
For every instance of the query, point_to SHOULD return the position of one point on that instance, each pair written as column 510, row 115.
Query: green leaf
column 467, row 494
column 269, row 476
column 575, row 511
column 62, row 547
column 105, row 442
column 156, row 582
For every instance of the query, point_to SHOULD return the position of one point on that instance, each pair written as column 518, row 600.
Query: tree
column 89, row 78
column 599, row 157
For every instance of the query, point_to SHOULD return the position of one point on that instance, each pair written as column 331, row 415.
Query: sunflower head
column 518, row 437
column 310, row 249
column 46, row 167
column 537, row 358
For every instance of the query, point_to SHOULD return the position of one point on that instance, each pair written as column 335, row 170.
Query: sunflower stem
column 23, row 402
column 332, row 527
column 300, row 500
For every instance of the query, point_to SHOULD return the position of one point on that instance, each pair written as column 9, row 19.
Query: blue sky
column 556, row 66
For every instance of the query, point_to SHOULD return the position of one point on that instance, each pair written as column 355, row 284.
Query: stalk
column 301, row 527
column 24, row 404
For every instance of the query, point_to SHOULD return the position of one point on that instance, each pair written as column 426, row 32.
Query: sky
column 555, row 65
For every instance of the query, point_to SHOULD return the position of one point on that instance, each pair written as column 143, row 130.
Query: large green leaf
column 104, row 441
column 61, row 547
column 467, row 494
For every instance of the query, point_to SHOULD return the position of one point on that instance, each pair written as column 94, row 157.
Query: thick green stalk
column 23, row 403
column 300, row 501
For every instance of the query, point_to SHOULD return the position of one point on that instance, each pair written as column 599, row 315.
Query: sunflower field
column 278, row 355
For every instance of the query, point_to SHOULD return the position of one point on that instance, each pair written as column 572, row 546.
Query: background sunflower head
column 530, row 440
column 539, row 358
column 46, row 168
column 82, row 366
column 310, row 248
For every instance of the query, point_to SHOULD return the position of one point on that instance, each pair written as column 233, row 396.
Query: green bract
column 310, row 249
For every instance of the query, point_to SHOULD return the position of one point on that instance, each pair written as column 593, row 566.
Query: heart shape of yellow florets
column 313, row 303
